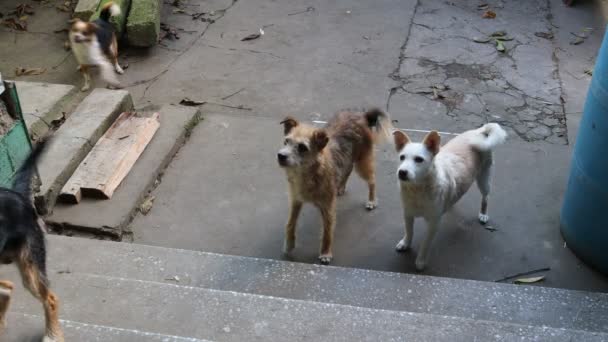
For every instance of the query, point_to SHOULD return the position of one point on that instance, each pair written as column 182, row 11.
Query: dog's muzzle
column 282, row 158
column 402, row 174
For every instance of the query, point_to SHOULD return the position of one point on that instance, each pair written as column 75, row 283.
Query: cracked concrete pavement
column 223, row 192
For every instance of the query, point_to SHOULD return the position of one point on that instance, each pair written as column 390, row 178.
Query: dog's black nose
column 403, row 175
column 281, row 157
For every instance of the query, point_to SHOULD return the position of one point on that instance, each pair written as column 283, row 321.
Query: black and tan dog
column 22, row 242
column 318, row 162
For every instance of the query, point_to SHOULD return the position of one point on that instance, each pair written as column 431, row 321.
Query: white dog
column 432, row 179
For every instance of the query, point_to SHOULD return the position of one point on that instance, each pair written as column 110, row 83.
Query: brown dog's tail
column 380, row 124
column 109, row 10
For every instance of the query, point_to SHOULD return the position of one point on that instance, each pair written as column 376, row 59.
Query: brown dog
column 318, row 162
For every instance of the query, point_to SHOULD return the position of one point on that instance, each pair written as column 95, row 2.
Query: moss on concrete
column 143, row 23
column 85, row 9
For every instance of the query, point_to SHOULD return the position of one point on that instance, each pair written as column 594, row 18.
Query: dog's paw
column 114, row 86
column 52, row 339
column 119, row 69
column 420, row 265
column 402, row 246
column 325, row 259
column 371, row 205
column 85, row 87
column 484, row 218
column 288, row 247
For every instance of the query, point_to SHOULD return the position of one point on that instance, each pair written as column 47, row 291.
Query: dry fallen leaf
column 253, row 36
column 545, row 35
column 489, row 14
column 63, row 8
column 529, row 280
column 22, row 10
column 188, row 102
column 481, row 40
column 21, row 71
column 15, row 24
column 500, row 46
column 588, row 72
column 146, row 206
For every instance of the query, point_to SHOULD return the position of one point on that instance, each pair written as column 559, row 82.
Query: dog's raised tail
column 380, row 124
column 109, row 10
column 23, row 178
column 488, row 136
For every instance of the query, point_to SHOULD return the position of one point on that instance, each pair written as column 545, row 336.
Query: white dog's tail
column 488, row 136
column 109, row 10
column 380, row 124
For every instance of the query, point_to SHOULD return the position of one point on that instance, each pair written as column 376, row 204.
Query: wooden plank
column 111, row 159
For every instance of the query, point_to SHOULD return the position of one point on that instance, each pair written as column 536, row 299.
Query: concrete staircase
column 112, row 291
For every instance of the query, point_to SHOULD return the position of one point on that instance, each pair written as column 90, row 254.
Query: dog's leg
column 406, row 242
column 87, row 78
column 365, row 168
column 117, row 66
column 35, row 282
column 290, row 229
column 483, row 183
column 107, row 73
column 328, row 214
column 342, row 186
column 6, row 289
column 433, row 226
column 114, row 57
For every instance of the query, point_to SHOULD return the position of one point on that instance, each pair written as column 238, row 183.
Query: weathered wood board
column 111, row 159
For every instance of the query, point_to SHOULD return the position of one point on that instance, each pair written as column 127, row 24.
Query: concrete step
column 75, row 138
column 44, row 105
column 231, row 316
column 101, row 216
column 30, row 328
column 529, row 305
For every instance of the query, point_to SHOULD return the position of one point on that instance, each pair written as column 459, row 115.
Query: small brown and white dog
column 432, row 179
column 94, row 44
column 318, row 161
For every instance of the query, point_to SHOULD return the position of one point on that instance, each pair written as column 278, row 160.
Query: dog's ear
column 319, row 139
column 401, row 139
column 288, row 123
column 432, row 141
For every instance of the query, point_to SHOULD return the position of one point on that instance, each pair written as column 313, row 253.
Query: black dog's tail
column 23, row 178
column 380, row 124
column 109, row 10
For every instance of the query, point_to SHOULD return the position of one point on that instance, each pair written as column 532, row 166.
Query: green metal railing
column 15, row 145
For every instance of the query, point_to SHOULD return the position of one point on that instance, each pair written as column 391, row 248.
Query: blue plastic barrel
column 584, row 216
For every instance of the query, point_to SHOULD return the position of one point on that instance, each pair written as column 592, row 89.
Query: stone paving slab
column 519, row 88
column 41, row 104
column 85, row 9
column 500, row 302
column 231, row 316
column 75, row 138
column 30, row 328
column 111, row 216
